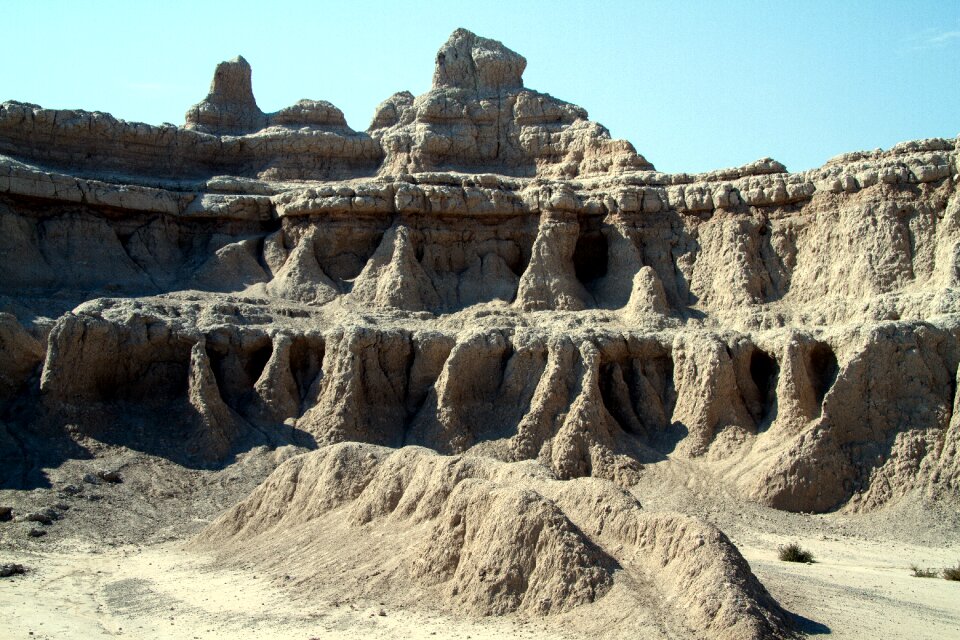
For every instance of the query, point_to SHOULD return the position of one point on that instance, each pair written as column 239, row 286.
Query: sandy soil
column 854, row 590
column 161, row 592
column 863, row 589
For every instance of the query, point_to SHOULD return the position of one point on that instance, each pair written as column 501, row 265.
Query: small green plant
column 919, row 572
column 952, row 573
column 794, row 553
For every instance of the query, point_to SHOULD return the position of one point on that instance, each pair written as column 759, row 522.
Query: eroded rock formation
column 493, row 538
column 484, row 271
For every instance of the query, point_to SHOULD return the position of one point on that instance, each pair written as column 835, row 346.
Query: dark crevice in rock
column 764, row 372
column 257, row 360
column 306, row 364
column 590, row 256
column 639, row 393
column 823, row 368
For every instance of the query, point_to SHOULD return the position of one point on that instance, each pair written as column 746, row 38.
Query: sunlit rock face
column 484, row 270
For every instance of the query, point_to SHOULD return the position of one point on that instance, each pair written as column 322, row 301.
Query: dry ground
column 114, row 567
column 855, row 590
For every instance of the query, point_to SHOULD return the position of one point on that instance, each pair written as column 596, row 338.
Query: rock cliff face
column 483, row 271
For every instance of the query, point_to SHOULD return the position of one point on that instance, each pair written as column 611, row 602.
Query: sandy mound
column 477, row 536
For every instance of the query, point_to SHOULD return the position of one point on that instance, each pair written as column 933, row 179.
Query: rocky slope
column 485, row 537
column 484, row 271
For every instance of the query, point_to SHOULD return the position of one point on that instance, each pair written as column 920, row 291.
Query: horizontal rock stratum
column 485, row 273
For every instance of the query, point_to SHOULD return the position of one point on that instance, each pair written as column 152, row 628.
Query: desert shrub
column 8, row 570
column 794, row 553
column 919, row 572
column 952, row 573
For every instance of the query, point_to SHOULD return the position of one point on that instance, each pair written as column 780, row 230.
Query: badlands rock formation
column 484, row 273
column 488, row 537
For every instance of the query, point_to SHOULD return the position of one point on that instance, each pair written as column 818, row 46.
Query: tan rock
column 550, row 281
column 487, row 274
column 230, row 107
column 502, row 539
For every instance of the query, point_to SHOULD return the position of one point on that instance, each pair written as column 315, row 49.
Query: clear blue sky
column 694, row 85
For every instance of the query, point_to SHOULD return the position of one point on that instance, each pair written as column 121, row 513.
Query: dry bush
column 952, row 573
column 919, row 572
column 793, row 552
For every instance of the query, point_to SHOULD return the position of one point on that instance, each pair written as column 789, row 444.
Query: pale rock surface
column 298, row 276
column 550, row 281
column 394, row 278
column 230, row 107
column 479, row 116
column 467, row 61
column 487, row 274
column 647, row 295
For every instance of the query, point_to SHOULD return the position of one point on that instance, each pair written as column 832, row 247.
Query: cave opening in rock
column 347, row 247
column 306, row 362
column 615, row 389
column 237, row 369
column 217, row 358
column 590, row 256
column 823, row 369
column 763, row 372
column 257, row 361
column 518, row 251
column 155, row 383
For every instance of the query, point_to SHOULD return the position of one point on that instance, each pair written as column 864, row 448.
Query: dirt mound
column 484, row 537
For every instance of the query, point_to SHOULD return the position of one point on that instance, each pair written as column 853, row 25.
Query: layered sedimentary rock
column 484, row 272
column 479, row 117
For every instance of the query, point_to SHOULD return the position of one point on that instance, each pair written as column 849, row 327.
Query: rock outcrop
column 486, row 273
column 495, row 539
column 479, row 117
column 772, row 297
column 229, row 108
